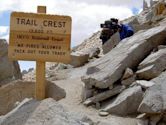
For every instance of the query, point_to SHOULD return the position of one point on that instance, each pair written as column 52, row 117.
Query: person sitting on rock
column 115, row 33
column 111, row 27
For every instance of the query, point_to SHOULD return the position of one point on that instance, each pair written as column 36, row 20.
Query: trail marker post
column 41, row 38
column 40, row 86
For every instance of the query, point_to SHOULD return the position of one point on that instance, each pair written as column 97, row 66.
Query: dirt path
column 73, row 103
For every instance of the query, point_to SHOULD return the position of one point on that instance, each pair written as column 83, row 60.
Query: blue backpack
column 126, row 31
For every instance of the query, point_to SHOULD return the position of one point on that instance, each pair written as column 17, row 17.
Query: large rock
column 133, row 21
column 93, row 52
column 128, row 81
column 46, row 112
column 143, row 83
column 155, row 97
column 79, row 58
column 129, row 53
column 18, row 90
column 8, row 69
column 153, row 65
column 111, row 43
column 128, row 77
column 123, row 121
column 86, row 92
column 104, row 95
column 128, row 73
column 127, row 102
column 145, row 5
column 145, row 16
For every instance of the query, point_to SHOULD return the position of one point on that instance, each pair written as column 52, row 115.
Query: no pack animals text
column 45, row 23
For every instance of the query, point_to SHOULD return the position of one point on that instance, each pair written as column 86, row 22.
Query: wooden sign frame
column 41, row 38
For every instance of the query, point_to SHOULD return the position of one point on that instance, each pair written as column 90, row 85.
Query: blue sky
column 5, row 18
column 86, row 15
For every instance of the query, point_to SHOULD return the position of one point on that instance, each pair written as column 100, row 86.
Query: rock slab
column 18, row 90
column 46, row 112
column 104, row 95
column 153, row 65
column 127, row 102
column 105, row 71
column 155, row 97
column 8, row 69
column 79, row 58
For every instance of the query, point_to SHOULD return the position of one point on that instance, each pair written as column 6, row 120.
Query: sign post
column 40, row 86
column 42, row 38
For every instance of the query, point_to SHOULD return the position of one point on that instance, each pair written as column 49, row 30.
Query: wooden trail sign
column 40, row 37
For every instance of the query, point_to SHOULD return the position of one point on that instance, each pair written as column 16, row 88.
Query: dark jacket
column 126, row 31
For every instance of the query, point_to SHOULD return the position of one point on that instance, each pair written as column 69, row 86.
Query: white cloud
column 86, row 15
column 128, row 3
column 4, row 32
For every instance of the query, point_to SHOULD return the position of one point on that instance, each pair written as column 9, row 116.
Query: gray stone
column 104, row 95
column 97, row 105
column 164, row 118
column 79, row 58
column 161, row 47
column 128, row 81
column 30, row 69
column 157, row 18
column 24, row 72
column 144, row 84
column 142, row 122
column 8, row 69
column 18, row 90
column 102, row 113
column 145, row 17
column 54, row 91
column 128, row 73
column 145, row 5
column 86, row 92
column 152, row 3
column 119, row 121
column 86, row 120
column 154, row 119
column 141, row 21
column 93, row 52
column 159, row 8
column 0, row 119
column 108, row 69
column 133, row 21
column 142, row 116
column 138, row 27
column 161, row 123
column 46, row 112
column 111, row 43
column 153, row 65
column 155, row 97
column 127, row 102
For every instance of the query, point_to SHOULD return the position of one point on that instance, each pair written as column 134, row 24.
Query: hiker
column 112, row 33
column 112, row 26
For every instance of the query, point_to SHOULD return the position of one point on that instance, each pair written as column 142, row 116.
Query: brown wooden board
column 40, row 37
